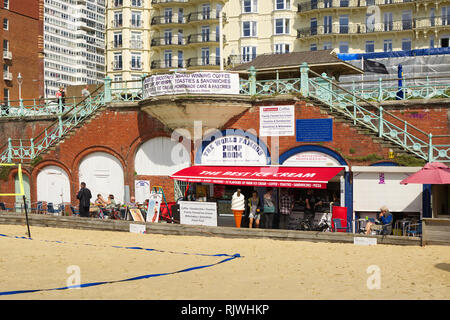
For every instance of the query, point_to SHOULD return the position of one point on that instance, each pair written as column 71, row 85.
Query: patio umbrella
column 431, row 173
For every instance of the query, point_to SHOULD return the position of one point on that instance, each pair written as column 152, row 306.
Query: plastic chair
column 74, row 212
column 39, row 207
column 339, row 226
column 51, row 209
column 414, row 229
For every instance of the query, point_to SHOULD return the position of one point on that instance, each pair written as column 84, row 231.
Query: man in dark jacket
column 84, row 195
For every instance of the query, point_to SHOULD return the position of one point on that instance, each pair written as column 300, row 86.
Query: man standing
column 84, row 195
column 286, row 206
column 85, row 92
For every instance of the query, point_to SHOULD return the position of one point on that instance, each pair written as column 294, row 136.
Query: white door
column 53, row 185
column 103, row 174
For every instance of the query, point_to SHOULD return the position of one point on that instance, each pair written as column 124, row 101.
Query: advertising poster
column 277, row 121
column 191, row 83
column 141, row 190
column 198, row 213
column 154, row 204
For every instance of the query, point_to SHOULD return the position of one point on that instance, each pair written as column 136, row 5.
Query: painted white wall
column 369, row 194
column 103, row 173
column 53, row 185
column 161, row 157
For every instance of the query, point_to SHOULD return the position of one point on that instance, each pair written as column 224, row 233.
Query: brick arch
column 10, row 184
column 87, row 151
column 46, row 163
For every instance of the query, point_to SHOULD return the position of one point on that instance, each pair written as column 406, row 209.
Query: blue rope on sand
column 92, row 284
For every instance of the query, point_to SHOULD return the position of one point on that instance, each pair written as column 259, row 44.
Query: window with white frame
column 370, row 46
column 136, row 3
column 249, row 6
column 248, row 53
column 387, row 45
column 249, row 28
column 205, row 56
column 168, row 58
column 282, row 26
column 343, row 47
column 327, row 45
column 313, row 47
column 282, row 48
column 406, row 44
column 5, row 24
column 117, row 61
column 445, row 16
column 6, row 4
column 136, row 40
column 136, row 20
column 282, row 4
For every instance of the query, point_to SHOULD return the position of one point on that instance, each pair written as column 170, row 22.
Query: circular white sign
column 234, row 150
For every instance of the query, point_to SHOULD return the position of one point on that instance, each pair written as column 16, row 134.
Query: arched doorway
column 103, row 174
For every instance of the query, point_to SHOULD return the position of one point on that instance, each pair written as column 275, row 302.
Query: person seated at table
column 132, row 203
column 100, row 201
column 110, row 203
column 384, row 223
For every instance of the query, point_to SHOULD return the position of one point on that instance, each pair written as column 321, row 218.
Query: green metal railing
column 389, row 89
column 28, row 149
column 351, row 104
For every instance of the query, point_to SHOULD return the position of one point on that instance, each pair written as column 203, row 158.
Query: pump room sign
column 233, row 150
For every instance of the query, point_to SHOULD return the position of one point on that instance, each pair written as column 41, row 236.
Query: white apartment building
column 74, row 43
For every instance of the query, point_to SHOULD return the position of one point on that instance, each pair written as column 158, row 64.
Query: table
column 359, row 223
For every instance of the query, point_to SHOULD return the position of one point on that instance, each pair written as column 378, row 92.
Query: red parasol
column 431, row 173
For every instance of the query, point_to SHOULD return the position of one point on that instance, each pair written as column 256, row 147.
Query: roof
column 319, row 61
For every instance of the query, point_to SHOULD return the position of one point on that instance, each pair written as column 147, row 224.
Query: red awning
column 285, row 177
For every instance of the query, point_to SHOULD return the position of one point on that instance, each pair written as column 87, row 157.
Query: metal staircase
column 25, row 150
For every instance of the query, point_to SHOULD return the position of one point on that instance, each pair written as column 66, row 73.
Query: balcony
column 7, row 76
column 204, row 38
column 136, row 44
column 136, row 65
column 206, row 61
column 136, row 23
column 116, row 44
column 204, row 16
column 7, row 55
column 356, row 28
column 117, row 65
column 307, row 6
column 168, row 2
column 168, row 41
column 169, row 19
column 117, row 23
column 168, row 64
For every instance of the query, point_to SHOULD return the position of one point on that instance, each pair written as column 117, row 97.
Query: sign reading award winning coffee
column 277, row 121
column 191, row 83
column 233, row 150
column 198, row 213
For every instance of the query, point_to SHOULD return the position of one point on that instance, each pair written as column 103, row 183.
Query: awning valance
column 265, row 176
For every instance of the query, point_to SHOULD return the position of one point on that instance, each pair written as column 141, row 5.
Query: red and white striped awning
column 267, row 176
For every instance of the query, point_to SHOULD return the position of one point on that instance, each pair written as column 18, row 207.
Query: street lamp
column 20, row 81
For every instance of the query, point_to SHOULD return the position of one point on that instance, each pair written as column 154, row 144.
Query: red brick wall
column 121, row 131
column 25, row 35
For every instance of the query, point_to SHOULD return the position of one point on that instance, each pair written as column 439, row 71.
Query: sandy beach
column 267, row 269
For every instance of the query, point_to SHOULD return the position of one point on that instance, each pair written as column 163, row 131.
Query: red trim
column 285, row 177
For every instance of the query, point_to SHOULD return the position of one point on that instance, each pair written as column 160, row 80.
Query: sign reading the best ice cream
column 198, row 213
column 191, row 83
column 277, row 121
column 233, row 150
